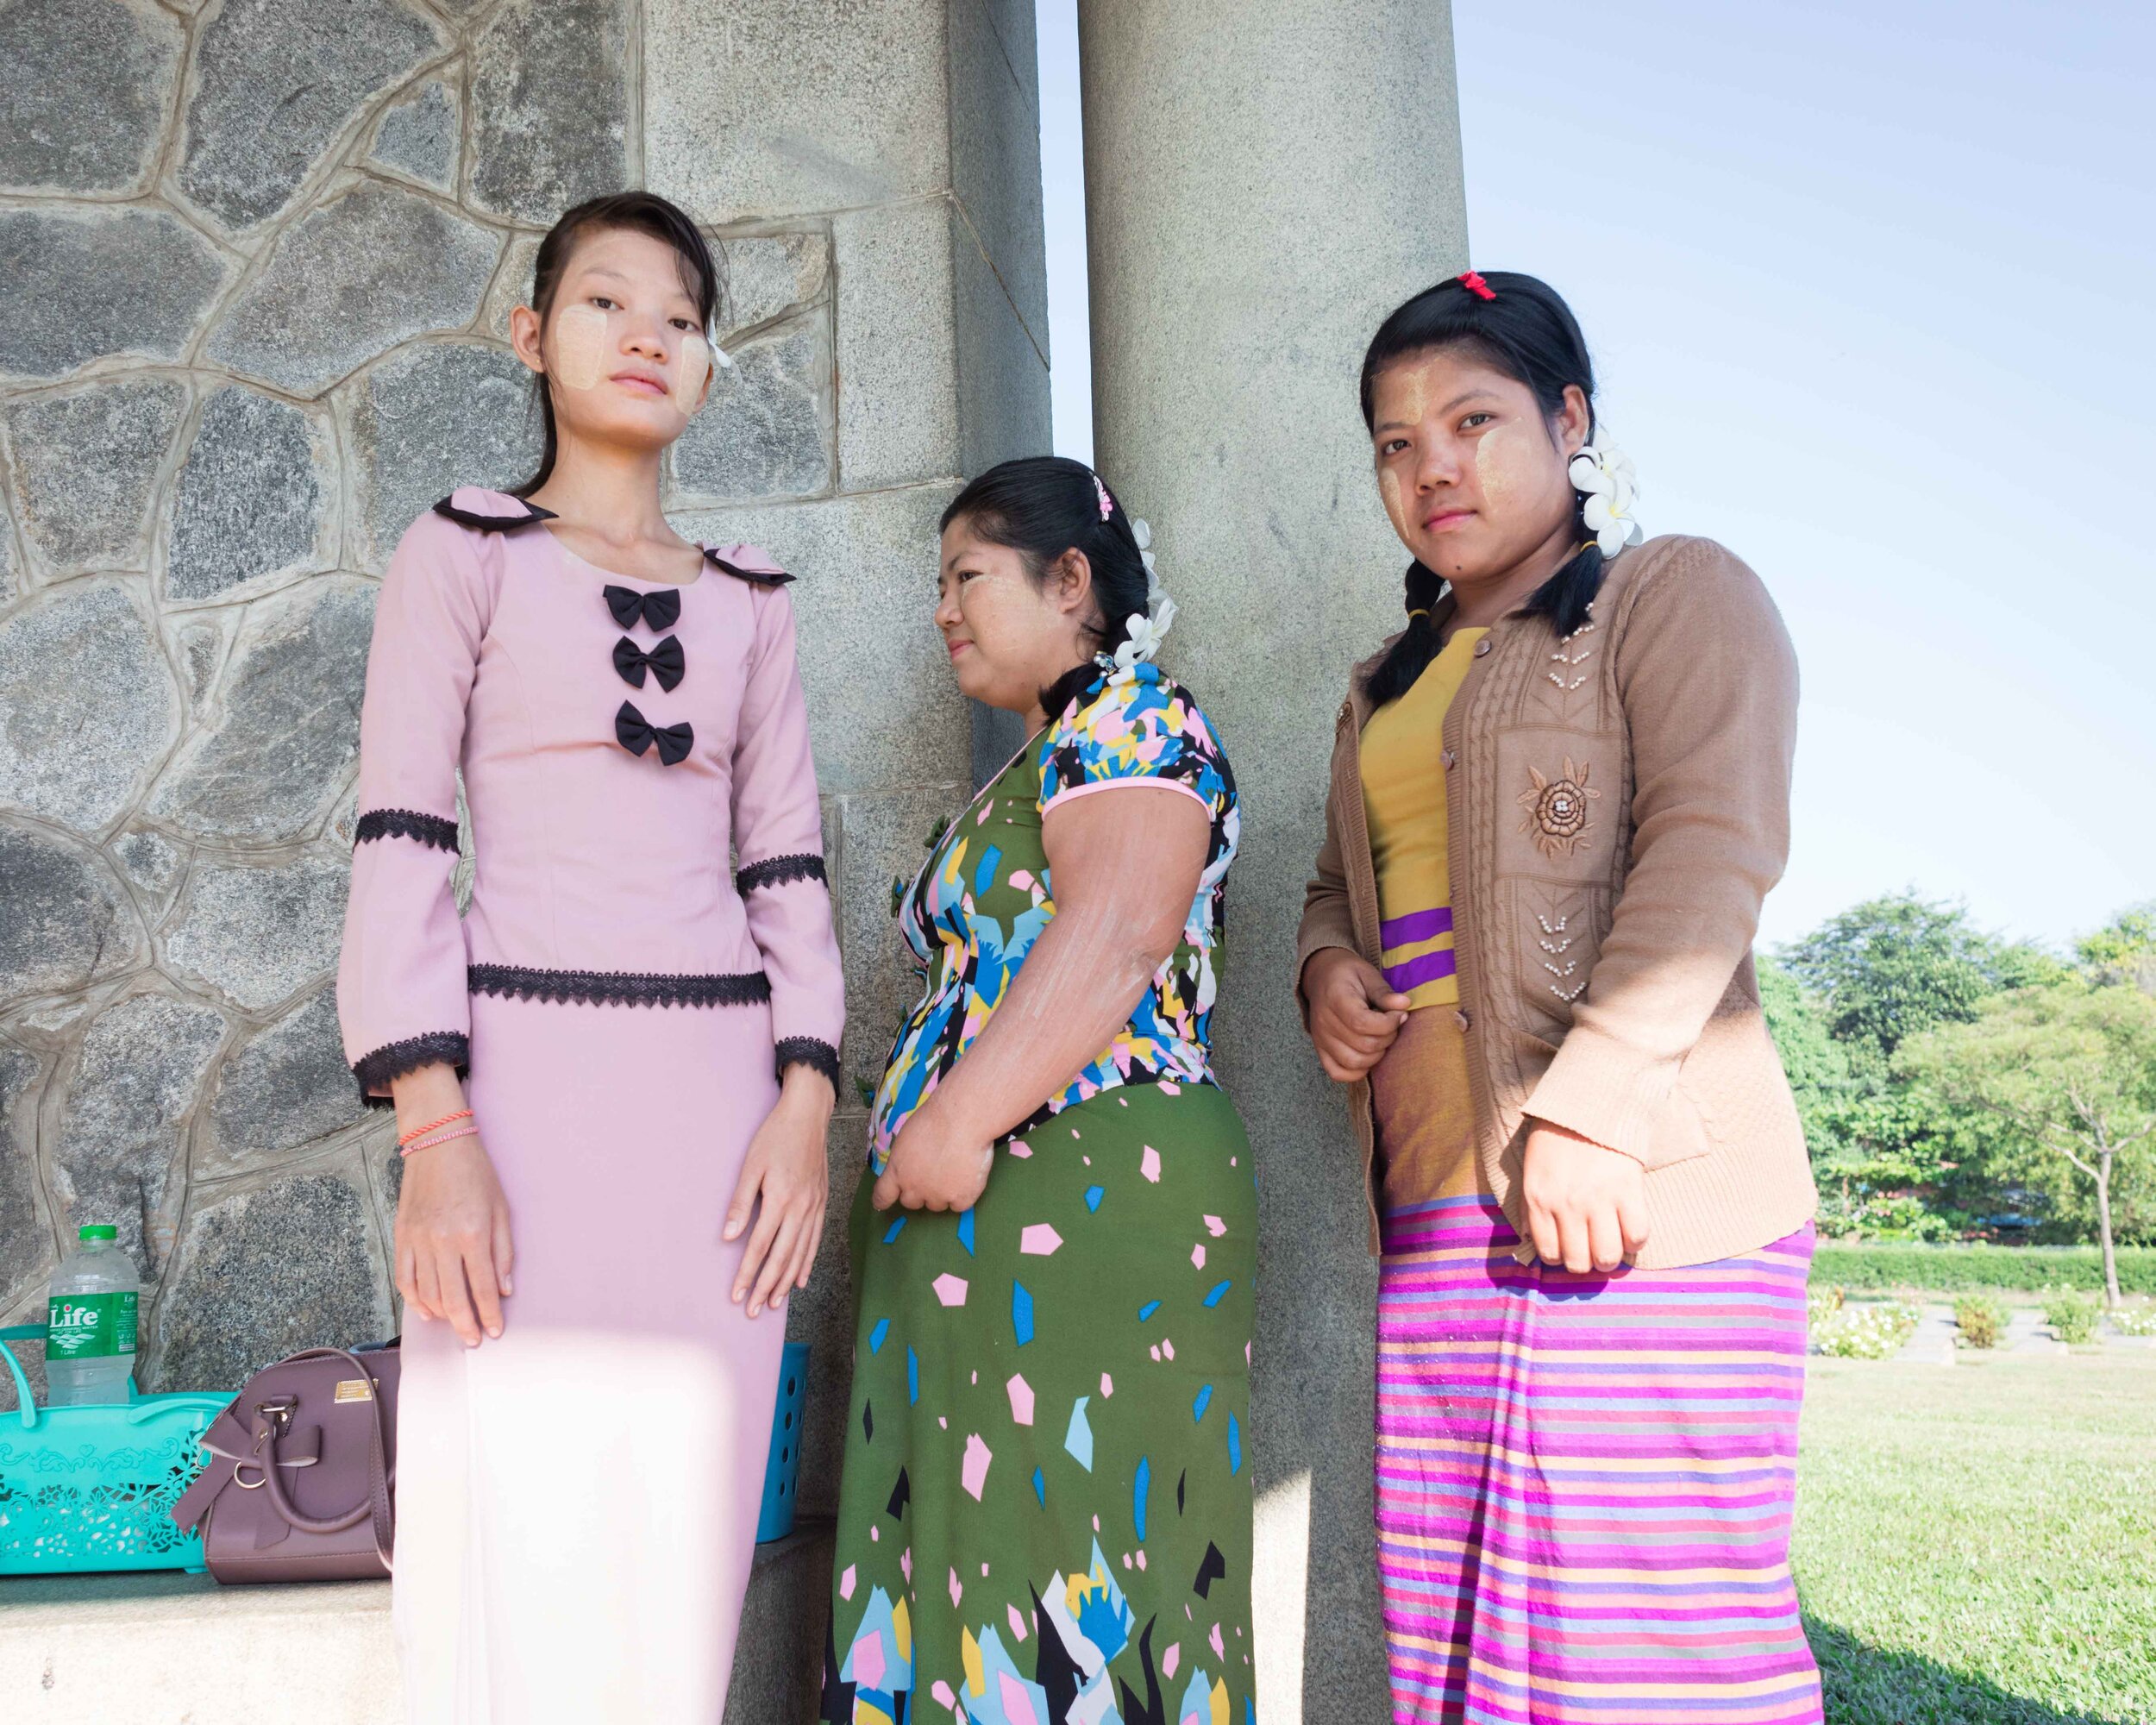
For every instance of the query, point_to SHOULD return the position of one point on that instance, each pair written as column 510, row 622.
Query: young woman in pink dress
column 613, row 1074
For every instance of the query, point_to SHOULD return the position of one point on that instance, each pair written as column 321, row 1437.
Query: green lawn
column 1975, row 1545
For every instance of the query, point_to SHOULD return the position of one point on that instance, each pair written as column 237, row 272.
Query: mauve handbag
column 302, row 1477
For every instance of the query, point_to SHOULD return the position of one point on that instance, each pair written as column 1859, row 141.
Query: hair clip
column 1473, row 282
column 1107, row 503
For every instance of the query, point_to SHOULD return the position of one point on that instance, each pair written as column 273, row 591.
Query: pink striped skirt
column 1584, row 1482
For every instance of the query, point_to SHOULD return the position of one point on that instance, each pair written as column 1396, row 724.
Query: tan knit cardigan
column 1617, row 806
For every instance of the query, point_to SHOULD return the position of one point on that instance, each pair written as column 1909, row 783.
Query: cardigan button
column 1447, row 757
column 1482, row 646
column 1464, row 1018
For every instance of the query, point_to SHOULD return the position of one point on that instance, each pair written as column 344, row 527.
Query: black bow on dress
column 636, row 733
column 665, row 661
column 661, row 609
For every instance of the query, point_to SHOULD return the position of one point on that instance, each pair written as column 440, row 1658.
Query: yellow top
column 1403, row 803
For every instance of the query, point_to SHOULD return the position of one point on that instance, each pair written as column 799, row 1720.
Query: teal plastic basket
column 782, row 1471
column 92, row 1488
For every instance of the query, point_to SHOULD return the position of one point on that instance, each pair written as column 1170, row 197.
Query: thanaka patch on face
column 1388, row 486
column 691, row 365
column 1497, row 454
column 579, row 345
column 585, row 340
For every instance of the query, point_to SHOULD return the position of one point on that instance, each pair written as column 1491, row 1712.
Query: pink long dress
column 577, row 1502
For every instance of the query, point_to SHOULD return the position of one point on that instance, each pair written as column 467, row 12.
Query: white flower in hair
column 1141, row 635
column 1605, row 475
column 1144, row 635
column 1143, row 534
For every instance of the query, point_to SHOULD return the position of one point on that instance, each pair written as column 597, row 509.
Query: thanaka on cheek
column 1388, row 485
column 685, row 376
column 579, row 345
column 1496, row 456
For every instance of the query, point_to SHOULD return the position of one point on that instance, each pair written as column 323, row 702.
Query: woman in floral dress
column 1046, row 1513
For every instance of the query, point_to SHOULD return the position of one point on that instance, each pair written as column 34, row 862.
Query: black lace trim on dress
column 491, row 523
column 763, row 577
column 776, row 871
column 394, row 1059
column 428, row 829
column 810, row 1051
column 621, row 987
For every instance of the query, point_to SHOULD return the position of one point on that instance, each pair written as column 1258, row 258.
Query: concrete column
column 1265, row 179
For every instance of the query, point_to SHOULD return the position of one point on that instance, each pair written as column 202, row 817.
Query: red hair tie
column 1475, row 285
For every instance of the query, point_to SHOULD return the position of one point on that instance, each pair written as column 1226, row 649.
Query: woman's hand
column 935, row 1163
column 788, row 1170
column 1354, row 1013
column 452, row 1250
column 1587, row 1204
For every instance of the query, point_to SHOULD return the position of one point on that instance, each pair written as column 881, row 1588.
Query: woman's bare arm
column 1125, row 867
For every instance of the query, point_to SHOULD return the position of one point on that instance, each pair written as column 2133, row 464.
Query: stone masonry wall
column 259, row 257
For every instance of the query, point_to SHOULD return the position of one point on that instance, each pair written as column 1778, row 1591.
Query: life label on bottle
column 90, row 1325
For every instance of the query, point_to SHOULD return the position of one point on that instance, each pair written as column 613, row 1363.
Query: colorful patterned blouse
column 984, row 895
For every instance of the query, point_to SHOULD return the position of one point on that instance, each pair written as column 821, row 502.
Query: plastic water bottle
column 90, row 1322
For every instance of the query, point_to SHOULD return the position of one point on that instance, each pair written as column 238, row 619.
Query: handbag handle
column 380, row 1476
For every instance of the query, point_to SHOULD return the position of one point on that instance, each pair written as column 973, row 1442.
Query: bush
column 1844, row 1332
column 2134, row 1320
column 2072, row 1316
column 1864, row 1266
column 1982, row 1320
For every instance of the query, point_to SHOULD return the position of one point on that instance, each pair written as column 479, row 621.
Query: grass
column 1977, row 1544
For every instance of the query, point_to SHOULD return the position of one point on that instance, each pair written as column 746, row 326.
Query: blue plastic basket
column 92, row 1488
column 782, row 1472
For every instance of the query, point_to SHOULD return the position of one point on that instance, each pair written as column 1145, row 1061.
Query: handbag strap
column 380, row 1474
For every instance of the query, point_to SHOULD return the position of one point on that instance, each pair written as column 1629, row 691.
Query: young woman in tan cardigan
column 1557, row 800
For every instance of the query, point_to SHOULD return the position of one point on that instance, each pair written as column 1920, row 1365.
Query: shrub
column 2072, row 1316
column 1863, row 1266
column 1847, row 1332
column 2135, row 1321
column 1982, row 1320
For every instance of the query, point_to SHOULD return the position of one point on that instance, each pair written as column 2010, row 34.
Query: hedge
column 1879, row 1265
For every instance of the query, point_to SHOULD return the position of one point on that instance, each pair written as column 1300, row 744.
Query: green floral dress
column 1045, row 1518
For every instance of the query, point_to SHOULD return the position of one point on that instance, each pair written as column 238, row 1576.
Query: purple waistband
column 1430, row 968
column 1415, row 926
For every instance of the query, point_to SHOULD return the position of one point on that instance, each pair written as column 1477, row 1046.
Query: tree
column 1887, row 968
column 2066, row 1068
column 1892, row 968
column 1818, row 1066
column 2124, row 951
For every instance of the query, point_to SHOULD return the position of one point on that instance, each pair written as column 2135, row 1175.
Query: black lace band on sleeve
column 393, row 1060
column 810, row 1051
column 428, row 829
column 776, row 871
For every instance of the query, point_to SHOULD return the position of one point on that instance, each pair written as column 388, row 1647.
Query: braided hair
column 1041, row 507
column 1521, row 327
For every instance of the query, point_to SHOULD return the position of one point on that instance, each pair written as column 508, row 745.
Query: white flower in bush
column 1860, row 1332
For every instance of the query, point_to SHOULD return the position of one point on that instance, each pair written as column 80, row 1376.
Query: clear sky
column 1869, row 290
